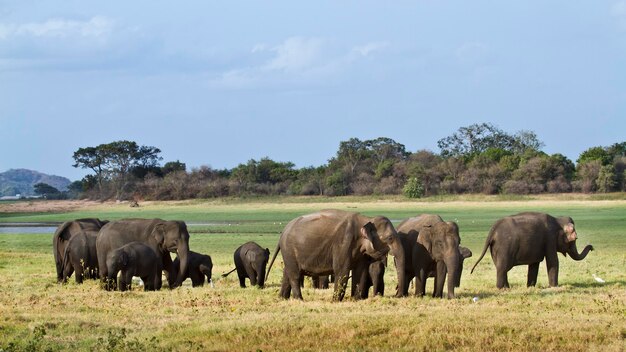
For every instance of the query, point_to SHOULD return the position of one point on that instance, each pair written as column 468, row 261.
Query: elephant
column 373, row 277
column 134, row 259
column 162, row 236
column 322, row 282
column 437, row 250
column 67, row 230
column 334, row 242
column 526, row 239
column 408, row 231
column 250, row 262
column 80, row 256
column 199, row 266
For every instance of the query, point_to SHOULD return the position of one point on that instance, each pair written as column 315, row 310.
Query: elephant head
column 465, row 253
column 258, row 260
column 116, row 260
column 379, row 237
column 442, row 240
column 172, row 236
column 566, row 239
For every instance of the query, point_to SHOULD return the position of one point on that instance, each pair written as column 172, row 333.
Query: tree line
column 479, row 158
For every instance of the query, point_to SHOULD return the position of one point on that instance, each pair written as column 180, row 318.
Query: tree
column 607, row 180
column 478, row 138
column 45, row 190
column 594, row 153
column 114, row 161
column 172, row 166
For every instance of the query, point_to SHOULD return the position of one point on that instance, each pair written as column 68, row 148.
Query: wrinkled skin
column 80, row 256
column 250, row 262
column 199, row 267
column 134, row 259
column 438, row 250
column 528, row 238
column 371, row 277
column 407, row 232
column 334, row 242
column 160, row 235
column 64, row 233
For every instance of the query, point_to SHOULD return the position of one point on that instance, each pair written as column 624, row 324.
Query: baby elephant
column 80, row 257
column 199, row 266
column 133, row 259
column 250, row 262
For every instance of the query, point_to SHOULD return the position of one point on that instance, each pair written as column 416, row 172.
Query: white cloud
column 297, row 60
column 472, row 53
column 618, row 11
column 296, row 54
column 96, row 27
column 367, row 49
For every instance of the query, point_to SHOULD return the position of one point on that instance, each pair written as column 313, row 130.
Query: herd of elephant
column 329, row 245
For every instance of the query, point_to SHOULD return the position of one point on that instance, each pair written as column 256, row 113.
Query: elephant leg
column 285, row 287
column 79, row 274
column 197, row 277
column 533, row 270
column 341, row 284
column 502, row 280
column 241, row 273
column 552, row 263
column 148, row 283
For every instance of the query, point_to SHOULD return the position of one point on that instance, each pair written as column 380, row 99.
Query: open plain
column 580, row 315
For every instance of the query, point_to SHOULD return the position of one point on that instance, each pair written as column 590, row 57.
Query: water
column 27, row 228
column 12, row 228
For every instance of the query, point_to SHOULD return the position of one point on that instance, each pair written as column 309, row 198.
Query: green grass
column 579, row 315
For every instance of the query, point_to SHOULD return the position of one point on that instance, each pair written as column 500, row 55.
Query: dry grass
column 580, row 315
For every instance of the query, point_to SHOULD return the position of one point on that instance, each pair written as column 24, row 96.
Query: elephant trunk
column 397, row 250
column 452, row 265
column 182, row 251
column 573, row 251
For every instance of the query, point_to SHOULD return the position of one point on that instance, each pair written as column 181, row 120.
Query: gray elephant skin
column 526, row 239
column 251, row 263
column 134, row 259
column 437, row 250
column 372, row 276
column 65, row 232
column 160, row 235
column 334, row 242
column 80, row 256
column 199, row 267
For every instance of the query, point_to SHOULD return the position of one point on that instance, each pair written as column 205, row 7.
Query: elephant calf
column 134, row 259
column 80, row 256
column 198, row 267
column 250, row 262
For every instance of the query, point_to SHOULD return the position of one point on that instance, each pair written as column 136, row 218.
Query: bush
column 413, row 188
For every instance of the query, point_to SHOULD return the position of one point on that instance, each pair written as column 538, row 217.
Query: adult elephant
column 65, row 232
column 334, row 242
column 437, row 249
column 528, row 238
column 160, row 235
column 408, row 231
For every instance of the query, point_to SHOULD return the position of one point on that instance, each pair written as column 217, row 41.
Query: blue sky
column 219, row 83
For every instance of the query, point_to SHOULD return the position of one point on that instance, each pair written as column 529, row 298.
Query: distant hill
column 21, row 181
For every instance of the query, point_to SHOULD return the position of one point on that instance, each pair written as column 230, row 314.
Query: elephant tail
column 272, row 262
column 487, row 244
column 228, row 273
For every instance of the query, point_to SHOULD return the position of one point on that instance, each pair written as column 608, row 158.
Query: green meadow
column 579, row 315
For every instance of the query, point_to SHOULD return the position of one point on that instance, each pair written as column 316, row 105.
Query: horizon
column 220, row 84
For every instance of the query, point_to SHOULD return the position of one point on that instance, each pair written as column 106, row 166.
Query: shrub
column 413, row 188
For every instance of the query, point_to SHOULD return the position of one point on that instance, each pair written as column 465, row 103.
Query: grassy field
column 579, row 315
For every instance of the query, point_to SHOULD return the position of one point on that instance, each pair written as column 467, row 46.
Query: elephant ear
column 60, row 233
column 159, row 233
column 367, row 238
column 465, row 252
column 425, row 238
